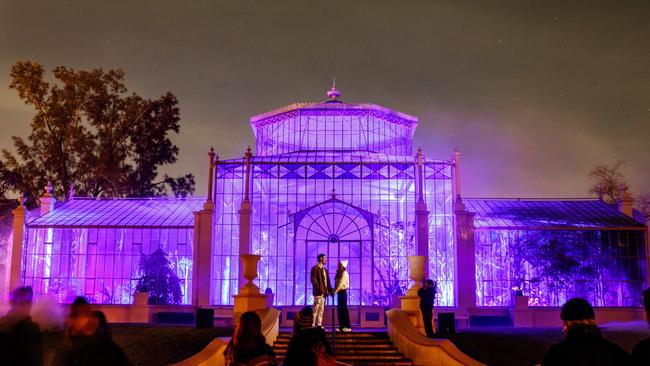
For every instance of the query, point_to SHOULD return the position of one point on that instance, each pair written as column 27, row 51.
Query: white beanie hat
column 344, row 263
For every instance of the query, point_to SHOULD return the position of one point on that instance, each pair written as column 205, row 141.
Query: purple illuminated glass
column 555, row 250
column 92, row 248
column 363, row 153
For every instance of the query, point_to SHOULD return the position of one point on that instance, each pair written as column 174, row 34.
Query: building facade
column 341, row 179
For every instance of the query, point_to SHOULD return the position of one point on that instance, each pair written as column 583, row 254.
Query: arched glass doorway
column 340, row 231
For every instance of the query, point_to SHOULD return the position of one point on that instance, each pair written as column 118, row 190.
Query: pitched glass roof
column 325, row 107
column 333, row 156
column 531, row 213
column 122, row 212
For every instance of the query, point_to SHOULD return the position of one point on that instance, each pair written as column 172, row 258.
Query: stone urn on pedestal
column 410, row 302
column 249, row 262
column 249, row 298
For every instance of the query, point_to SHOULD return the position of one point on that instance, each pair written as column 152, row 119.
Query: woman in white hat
column 342, row 281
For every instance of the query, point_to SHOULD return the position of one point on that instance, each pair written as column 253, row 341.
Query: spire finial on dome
column 333, row 93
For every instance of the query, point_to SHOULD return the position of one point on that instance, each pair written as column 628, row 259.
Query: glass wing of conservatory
column 95, row 248
column 555, row 250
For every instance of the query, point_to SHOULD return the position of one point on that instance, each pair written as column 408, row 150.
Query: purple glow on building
column 362, row 152
column 93, row 247
column 340, row 179
column 556, row 250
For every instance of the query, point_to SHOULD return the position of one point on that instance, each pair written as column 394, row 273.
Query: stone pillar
column 245, row 219
column 71, row 192
column 249, row 298
column 625, row 202
column 456, row 174
column 47, row 201
column 203, row 234
column 465, row 259
column 410, row 303
column 17, row 244
column 422, row 216
column 521, row 313
column 211, row 163
column 647, row 243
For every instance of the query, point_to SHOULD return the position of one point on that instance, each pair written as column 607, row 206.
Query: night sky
column 534, row 93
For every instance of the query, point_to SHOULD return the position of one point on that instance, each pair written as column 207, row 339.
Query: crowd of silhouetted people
column 308, row 344
column 583, row 344
column 87, row 339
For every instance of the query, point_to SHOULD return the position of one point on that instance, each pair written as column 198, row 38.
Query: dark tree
column 607, row 182
column 87, row 132
column 159, row 279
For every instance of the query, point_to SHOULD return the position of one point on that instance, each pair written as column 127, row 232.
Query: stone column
column 422, row 216
column 47, row 201
column 245, row 219
column 410, row 303
column 465, row 259
column 625, row 202
column 455, row 158
column 17, row 244
column 203, row 236
column 647, row 243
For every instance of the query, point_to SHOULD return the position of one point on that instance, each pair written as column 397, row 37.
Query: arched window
column 342, row 232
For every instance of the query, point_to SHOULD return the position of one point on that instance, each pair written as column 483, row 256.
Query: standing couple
column 320, row 281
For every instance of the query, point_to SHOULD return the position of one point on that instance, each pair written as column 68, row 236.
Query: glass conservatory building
column 340, row 179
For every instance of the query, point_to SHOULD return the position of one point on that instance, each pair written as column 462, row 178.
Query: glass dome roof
column 333, row 125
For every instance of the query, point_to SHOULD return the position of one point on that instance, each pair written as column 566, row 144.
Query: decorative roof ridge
column 294, row 153
column 323, row 105
column 533, row 199
column 157, row 198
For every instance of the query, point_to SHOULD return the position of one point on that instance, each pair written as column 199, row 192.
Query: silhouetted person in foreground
column 641, row 352
column 583, row 345
column 427, row 296
column 21, row 341
column 248, row 346
column 308, row 343
column 87, row 341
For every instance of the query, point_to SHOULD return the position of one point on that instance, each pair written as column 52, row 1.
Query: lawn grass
column 526, row 346
column 149, row 344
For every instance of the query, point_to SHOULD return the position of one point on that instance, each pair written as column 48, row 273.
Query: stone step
column 353, row 352
column 347, row 346
column 361, row 343
column 355, row 348
column 405, row 362
column 345, row 335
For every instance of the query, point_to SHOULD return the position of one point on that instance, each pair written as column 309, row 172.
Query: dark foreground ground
column 150, row 344
column 526, row 346
column 154, row 344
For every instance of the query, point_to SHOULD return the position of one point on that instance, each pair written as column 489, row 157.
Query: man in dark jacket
column 583, row 344
column 427, row 296
column 641, row 352
column 322, row 287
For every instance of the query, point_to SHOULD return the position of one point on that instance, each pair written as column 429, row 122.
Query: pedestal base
column 244, row 303
column 411, row 306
